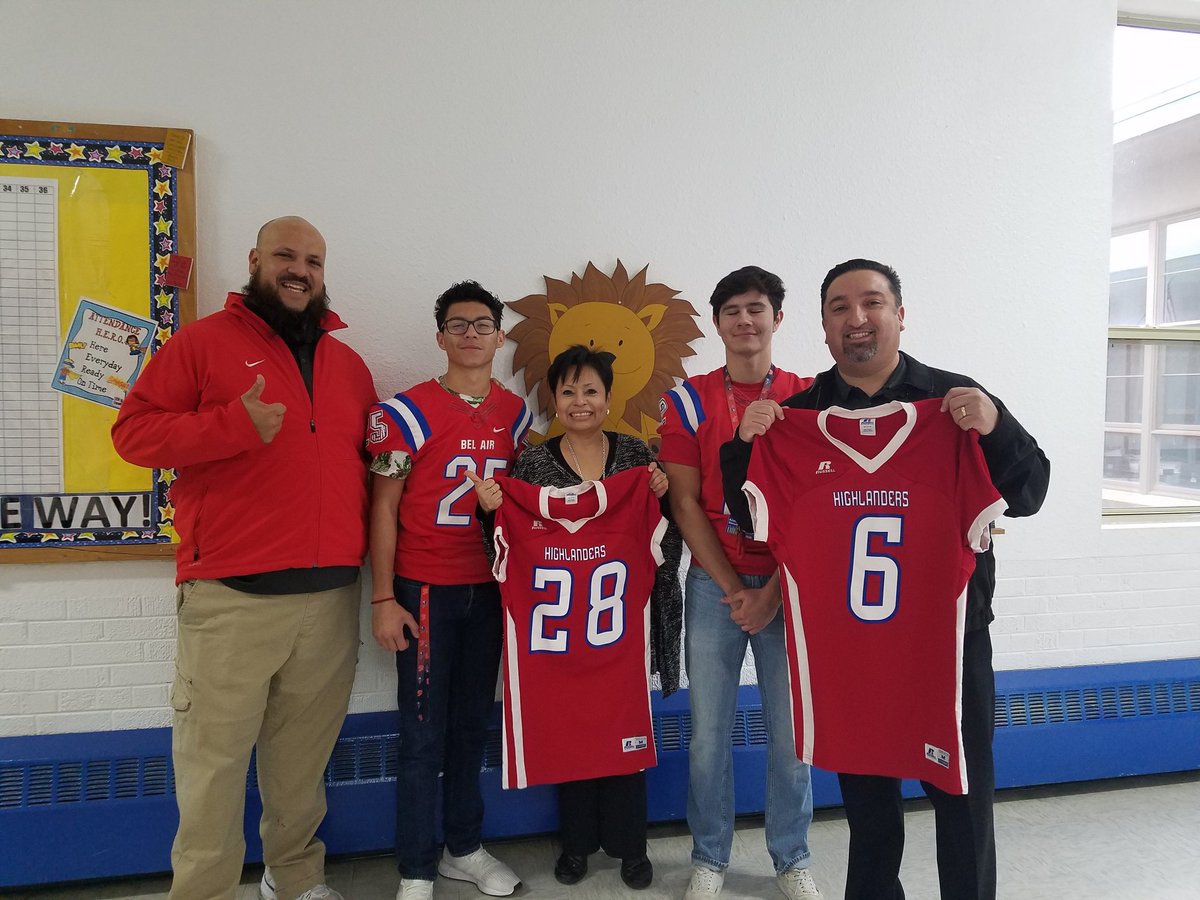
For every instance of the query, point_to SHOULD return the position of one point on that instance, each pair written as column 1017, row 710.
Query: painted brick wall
column 101, row 663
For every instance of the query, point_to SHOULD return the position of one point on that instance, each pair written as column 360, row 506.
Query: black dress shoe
column 570, row 869
column 637, row 873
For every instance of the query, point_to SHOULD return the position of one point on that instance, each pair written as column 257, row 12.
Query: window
column 1152, row 403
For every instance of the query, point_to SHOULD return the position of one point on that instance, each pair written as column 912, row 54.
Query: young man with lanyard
column 862, row 316
column 732, row 596
column 432, row 580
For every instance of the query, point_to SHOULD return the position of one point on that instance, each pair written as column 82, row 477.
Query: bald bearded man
column 261, row 412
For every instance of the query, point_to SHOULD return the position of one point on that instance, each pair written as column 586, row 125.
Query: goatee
column 294, row 327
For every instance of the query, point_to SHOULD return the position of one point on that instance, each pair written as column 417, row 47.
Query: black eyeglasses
column 460, row 326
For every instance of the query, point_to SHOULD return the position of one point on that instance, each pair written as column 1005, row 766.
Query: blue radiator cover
column 83, row 806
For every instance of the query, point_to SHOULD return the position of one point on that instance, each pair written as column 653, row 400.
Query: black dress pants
column 606, row 814
column 966, row 837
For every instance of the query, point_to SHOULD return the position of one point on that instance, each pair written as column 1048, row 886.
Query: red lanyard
column 734, row 419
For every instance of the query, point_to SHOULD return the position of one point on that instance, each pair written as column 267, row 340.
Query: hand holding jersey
column 758, row 417
column 658, row 480
column 972, row 408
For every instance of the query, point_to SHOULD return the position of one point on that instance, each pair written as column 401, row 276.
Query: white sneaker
column 705, row 882
column 266, row 890
column 797, row 884
column 487, row 873
column 415, row 889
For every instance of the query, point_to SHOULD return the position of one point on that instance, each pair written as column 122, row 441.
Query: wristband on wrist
column 382, row 600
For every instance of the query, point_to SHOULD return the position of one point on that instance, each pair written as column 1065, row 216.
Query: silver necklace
column 603, row 455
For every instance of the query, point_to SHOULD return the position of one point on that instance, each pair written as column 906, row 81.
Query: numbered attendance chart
column 97, row 235
column 31, row 454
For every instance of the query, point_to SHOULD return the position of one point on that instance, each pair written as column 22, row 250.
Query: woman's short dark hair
column 569, row 365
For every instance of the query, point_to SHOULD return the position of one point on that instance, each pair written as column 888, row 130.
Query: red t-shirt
column 694, row 424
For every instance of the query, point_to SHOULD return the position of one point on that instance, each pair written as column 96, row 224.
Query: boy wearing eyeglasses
column 434, row 600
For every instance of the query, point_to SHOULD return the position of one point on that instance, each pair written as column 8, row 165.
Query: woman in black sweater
column 602, row 813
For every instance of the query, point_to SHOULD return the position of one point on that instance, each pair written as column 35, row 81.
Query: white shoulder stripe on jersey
column 686, row 404
column 415, row 428
column 521, row 426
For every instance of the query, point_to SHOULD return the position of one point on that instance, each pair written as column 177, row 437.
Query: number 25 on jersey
column 457, row 468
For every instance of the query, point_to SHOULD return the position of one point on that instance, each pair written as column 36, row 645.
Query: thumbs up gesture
column 267, row 417
column 487, row 491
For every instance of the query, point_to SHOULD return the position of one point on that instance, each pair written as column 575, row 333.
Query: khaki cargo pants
column 256, row 670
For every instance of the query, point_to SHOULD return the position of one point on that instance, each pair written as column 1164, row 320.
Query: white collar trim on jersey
column 573, row 525
column 872, row 464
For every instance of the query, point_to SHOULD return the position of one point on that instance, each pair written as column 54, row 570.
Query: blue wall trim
column 60, row 795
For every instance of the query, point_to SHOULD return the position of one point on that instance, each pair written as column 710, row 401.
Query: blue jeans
column 715, row 647
column 445, row 710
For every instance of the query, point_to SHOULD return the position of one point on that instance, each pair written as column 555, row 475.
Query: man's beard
column 301, row 327
column 861, row 353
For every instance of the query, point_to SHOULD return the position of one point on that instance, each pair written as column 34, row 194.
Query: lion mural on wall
column 646, row 327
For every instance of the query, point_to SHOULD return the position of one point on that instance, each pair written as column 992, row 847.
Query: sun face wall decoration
column 646, row 327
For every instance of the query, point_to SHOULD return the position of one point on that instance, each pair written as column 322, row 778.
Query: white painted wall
column 967, row 144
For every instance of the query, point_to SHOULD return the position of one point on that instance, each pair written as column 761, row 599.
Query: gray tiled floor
column 1111, row 840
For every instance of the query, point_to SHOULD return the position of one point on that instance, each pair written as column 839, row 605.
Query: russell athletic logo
column 630, row 744
column 825, row 467
column 937, row 755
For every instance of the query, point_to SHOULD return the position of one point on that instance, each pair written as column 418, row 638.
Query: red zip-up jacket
column 243, row 507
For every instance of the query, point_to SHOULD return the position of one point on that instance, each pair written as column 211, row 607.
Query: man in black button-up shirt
column 862, row 316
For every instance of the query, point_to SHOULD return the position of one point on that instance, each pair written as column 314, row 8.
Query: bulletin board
column 97, row 243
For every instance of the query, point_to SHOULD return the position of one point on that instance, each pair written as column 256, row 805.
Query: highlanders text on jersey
column 576, row 567
column 875, row 516
column 440, row 540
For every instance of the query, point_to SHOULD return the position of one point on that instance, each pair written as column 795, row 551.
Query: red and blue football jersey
column 440, row 540
column 875, row 516
column 694, row 424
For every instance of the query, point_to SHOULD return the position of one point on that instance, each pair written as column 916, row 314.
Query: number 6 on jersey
column 874, row 588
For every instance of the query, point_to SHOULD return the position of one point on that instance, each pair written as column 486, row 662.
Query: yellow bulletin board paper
column 90, row 216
